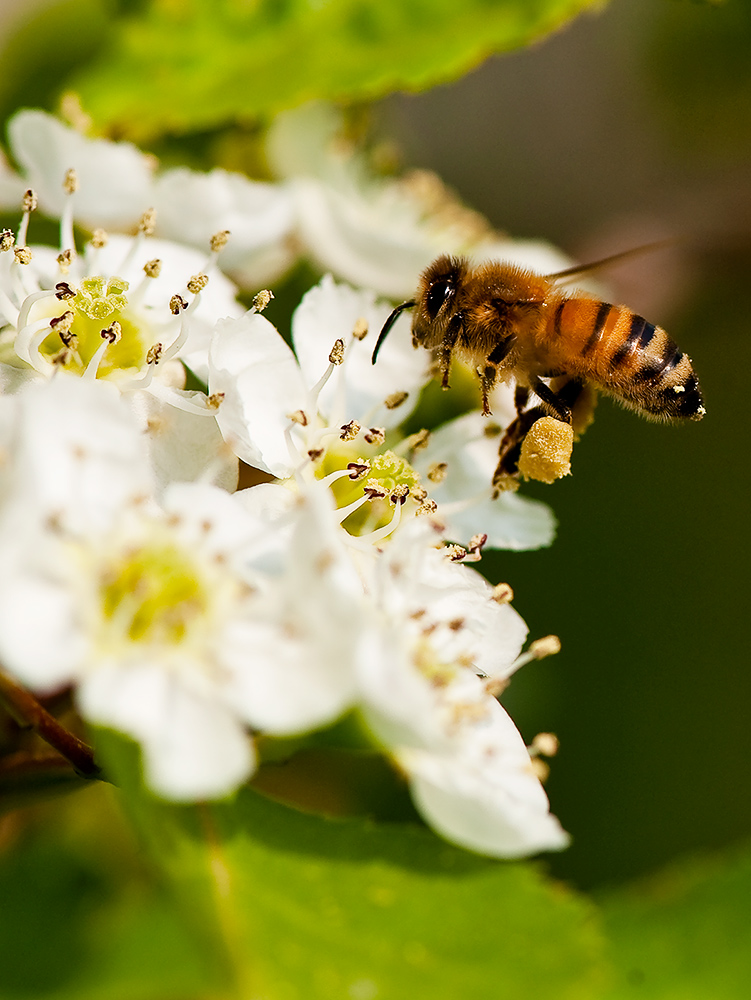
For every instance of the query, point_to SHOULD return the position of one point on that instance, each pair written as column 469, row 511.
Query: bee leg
column 521, row 398
column 489, row 372
column 454, row 328
column 552, row 400
column 507, row 471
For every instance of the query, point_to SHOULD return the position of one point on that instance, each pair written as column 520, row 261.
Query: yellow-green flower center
column 152, row 595
column 98, row 303
column 387, row 469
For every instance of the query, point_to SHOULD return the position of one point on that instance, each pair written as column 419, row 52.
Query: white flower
column 425, row 679
column 293, row 416
column 380, row 232
column 115, row 177
column 126, row 310
column 192, row 206
column 180, row 624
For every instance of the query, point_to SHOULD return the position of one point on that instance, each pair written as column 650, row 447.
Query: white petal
column 328, row 312
column 42, row 640
column 512, row 521
column 80, row 452
column 183, row 446
column 484, row 796
column 192, row 207
column 193, row 747
column 115, row 185
column 258, row 374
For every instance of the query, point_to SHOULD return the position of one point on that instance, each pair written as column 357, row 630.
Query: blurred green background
column 630, row 125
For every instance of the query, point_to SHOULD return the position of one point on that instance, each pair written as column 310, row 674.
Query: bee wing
column 577, row 269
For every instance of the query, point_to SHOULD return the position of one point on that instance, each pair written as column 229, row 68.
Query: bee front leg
column 454, row 328
column 489, row 371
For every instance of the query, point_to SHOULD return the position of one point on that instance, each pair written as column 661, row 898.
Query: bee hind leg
column 561, row 402
column 506, row 475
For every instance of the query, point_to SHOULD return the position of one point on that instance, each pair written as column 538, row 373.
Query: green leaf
column 192, row 65
column 708, row 111
column 684, row 935
column 307, row 908
column 81, row 920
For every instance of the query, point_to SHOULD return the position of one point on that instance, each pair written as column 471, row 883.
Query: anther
column 99, row 239
column 154, row 354
column 427, row 507
column 374, row 490
column 29, row 201
column 70, row 181
column 315, row 453
column 219, row 240
column 215, row 400
column 176, row 304
column 62, row 324
column 336, row 355
column 503, row 593
column 357, row 469
column 261, row 299
column 65, row 258
column 64, row 291
column 360, row 329
column 437, row 472
column 395, row 400
column 22, row 255
column 399, row 495
column 152, row 268
column 197, row 283
column 548, row 645
column 545, row 744
column 112, row 333
column 350, row 431
column 298, row 417
column 456, row 553
column 147, row 222
column 417, row 441
column 7, row 239
column 419, row 493
column 375, row 435
column 474, row 552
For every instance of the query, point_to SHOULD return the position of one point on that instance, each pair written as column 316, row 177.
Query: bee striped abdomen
column 627, row 356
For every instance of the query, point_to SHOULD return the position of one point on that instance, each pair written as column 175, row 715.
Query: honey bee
column 510, row 323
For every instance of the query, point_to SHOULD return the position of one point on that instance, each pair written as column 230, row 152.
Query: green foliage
column 700, row 57
column 685, row 934
column 298, row 906
column 184, row 66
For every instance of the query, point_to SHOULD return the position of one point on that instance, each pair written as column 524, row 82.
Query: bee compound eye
column 438, row 293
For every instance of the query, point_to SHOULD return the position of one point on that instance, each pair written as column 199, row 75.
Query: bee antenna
column 387, row 326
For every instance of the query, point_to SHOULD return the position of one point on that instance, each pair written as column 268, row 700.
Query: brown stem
column 25, row 708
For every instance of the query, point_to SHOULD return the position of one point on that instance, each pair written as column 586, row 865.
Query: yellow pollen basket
column 153, row 596
column 97, row 304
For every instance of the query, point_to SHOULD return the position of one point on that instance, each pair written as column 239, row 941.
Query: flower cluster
column 204, row 620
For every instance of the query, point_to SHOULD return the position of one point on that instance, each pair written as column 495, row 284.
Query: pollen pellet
column 546, row 450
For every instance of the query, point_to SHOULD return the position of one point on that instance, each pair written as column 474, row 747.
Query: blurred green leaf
column 700, row 58
column 45, row 47
column 684, row 934
column 80, row 920
column 194, row 64
column 323, row 909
